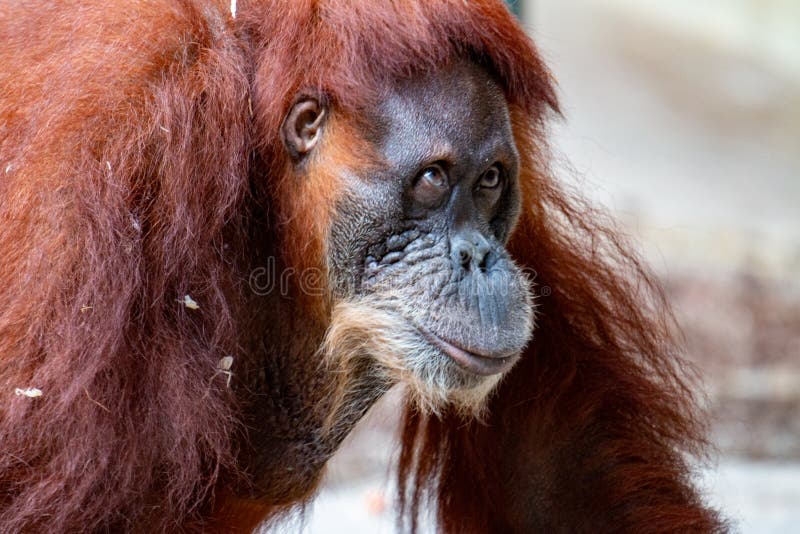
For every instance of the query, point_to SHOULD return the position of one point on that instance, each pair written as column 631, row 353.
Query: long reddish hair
column 127, row 137
column 590, row 431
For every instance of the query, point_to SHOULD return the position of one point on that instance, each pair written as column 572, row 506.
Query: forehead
column 459, row 111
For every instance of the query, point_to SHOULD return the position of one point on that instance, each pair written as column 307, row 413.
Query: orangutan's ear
column 302, row 127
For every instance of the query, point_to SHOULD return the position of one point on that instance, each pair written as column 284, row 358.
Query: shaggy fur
column 591, row 430
column 139, row 154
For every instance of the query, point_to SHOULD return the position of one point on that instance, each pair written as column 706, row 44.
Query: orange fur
column 141, row 161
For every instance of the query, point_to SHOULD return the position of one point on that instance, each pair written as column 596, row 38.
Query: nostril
column 482, row 252
column 461, row 252
column 471, row 251
column 485, row 263
column 464, row 257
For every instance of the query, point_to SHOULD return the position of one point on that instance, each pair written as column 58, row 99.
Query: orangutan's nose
column 470, row 250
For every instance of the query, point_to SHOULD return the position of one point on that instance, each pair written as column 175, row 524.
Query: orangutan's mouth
column 478, row 364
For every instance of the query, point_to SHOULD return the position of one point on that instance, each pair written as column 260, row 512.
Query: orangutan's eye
column 491, row 179
column 433, row 176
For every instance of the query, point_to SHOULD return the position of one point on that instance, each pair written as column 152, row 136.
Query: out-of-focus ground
column 683, row 118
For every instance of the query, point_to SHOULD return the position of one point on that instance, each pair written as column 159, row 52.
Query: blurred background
column 683, row 118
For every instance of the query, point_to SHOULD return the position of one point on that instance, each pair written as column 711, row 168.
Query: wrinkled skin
column 425, row 234
column 416, row 253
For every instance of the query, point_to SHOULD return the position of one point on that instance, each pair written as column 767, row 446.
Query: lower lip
column 479, row 365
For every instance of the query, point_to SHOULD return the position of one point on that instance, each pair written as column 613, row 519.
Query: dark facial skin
column 419, row 240
column 426, row 233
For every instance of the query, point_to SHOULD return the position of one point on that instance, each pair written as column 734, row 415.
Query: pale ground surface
column 691, row 137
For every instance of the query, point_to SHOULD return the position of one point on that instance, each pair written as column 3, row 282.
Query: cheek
column 309, row 200
column 508, row 211
column 310, row 212
column 408, row 265
column 363, row 217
